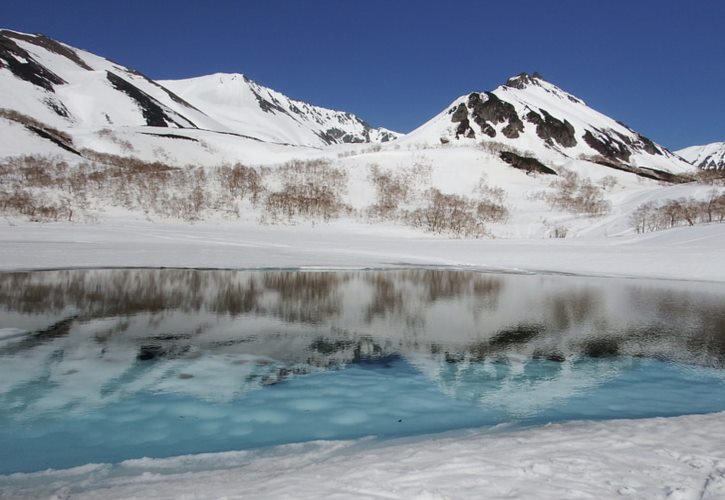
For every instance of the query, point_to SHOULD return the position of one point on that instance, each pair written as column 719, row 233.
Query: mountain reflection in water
column 103, row 334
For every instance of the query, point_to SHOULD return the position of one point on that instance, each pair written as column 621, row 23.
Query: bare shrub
column 575, row 194
column 311, row 189
column 391, row 190
column 53, row 190
column 36, row 208
column 490, row 202
column 241, row 181
column 608, row 182
column 711, row 176
column 554, row 230
column 448, row 214
column 109, row 134
column 713, row 208
column 493, row 147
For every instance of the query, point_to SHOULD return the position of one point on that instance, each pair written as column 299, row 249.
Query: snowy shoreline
column 687, row 253
column 678, row 457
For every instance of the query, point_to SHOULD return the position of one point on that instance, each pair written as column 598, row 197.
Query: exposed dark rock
column 649, row 146
column 710, row 164
column 45, row 134
column 525, row 163
column 522, row 80
column 265, row 105
column 174, row 97
column 57, row 106
column 487, row 129
column 22, row 65
column 335, row 136
column 172, row 136
column 552, row 129
column 647, row 173
column 50, row 45
column 495, row 111
column 464, row 129
column 608, row 147
column 513, row 129
column 386, row 137
column 151, row 109
column 459, row 114
column 661, row 175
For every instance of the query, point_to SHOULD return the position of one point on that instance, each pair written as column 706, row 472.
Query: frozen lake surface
column 108, row 365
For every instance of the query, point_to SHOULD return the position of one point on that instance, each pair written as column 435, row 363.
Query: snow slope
column 708, row 156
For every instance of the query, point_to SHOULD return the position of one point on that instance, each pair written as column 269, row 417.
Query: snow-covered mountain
column 707, row 157
column 71, row 89
column 242, row 105
column 537, row 119
column 78, row 109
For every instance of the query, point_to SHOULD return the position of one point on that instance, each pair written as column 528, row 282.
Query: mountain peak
column 523, row 80
column 536, row 118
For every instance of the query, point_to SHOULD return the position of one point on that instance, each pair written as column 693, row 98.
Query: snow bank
column 687, row 253
column 654, row 458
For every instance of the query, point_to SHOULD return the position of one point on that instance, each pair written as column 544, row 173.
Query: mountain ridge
column 68, row 87
column 706, row 157
column 527, row 117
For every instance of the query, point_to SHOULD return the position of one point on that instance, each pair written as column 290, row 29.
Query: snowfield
column 686, row 253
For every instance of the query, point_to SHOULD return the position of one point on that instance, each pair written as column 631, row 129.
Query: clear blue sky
column 658, row 66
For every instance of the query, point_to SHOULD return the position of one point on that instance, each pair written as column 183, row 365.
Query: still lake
column 107, row 365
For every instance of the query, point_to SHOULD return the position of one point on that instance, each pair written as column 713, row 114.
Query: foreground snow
column 674, row 458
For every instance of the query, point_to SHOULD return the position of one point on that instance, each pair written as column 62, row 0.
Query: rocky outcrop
column 493, row 110
column 526, row 163
column 48, row 44
column 523, row 80
column 607, row 146
column 460, row 116
column 24, row 66
column 552, row 129
column 152, row 111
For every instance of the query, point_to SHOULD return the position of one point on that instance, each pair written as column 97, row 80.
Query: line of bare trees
column 665, row 214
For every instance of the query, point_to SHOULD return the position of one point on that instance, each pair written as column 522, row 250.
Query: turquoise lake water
column 108, row 365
